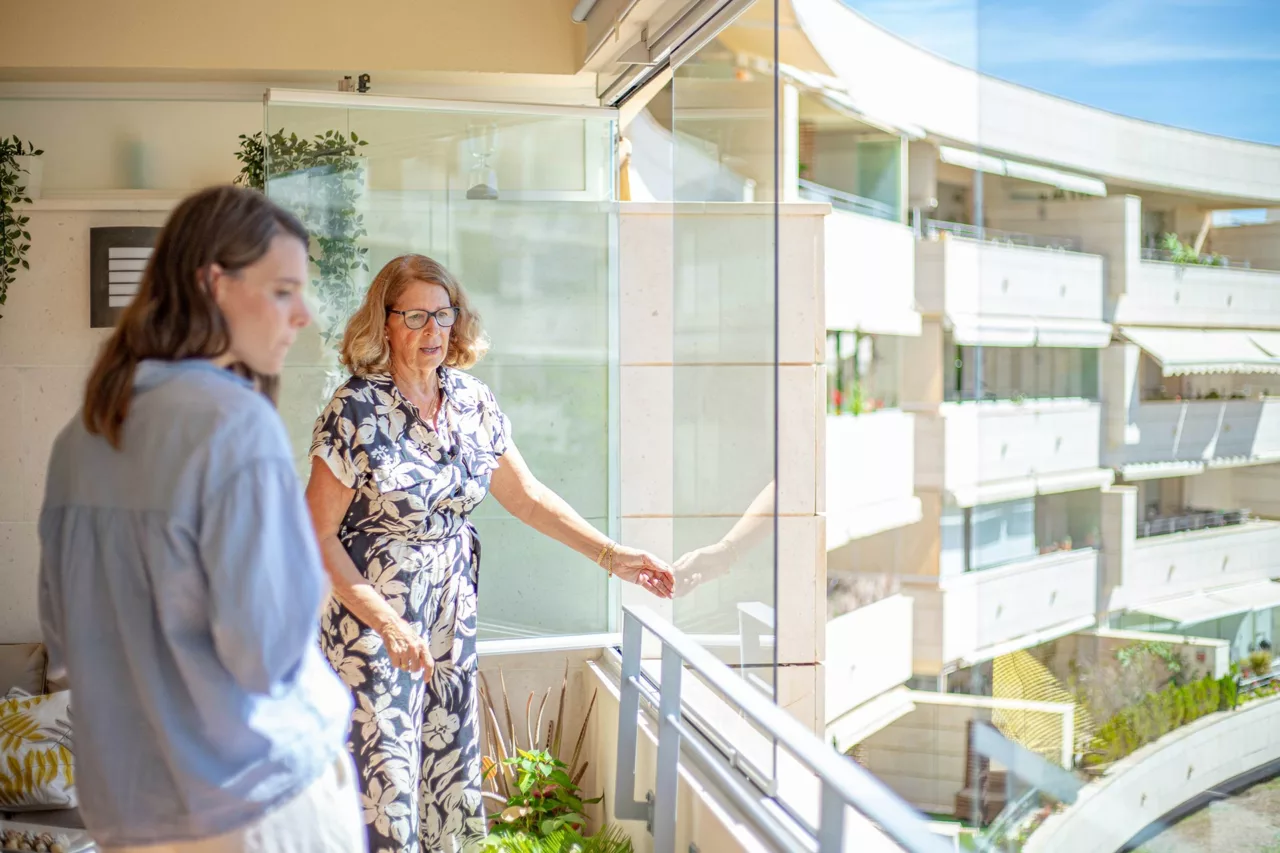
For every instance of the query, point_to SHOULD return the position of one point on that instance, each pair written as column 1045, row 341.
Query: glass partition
column 724, row 131
column 515, row 202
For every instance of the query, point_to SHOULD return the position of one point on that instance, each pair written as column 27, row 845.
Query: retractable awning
column 1197, row 351
column 1026, row 487
column 994, row 331
column 1215, row 603
column 1022, row 171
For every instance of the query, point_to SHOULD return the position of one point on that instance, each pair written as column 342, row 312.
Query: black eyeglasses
column 415, row 319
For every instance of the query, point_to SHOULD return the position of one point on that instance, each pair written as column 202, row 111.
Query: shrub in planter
column 1156, row 715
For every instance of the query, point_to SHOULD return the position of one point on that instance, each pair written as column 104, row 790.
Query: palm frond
column 564, row 688
column 582, row 735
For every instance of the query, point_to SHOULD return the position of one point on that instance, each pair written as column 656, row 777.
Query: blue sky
column 1208, row 65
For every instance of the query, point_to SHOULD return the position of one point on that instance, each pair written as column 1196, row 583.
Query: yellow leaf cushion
column 36, row 769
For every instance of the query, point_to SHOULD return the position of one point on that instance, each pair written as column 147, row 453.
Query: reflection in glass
column 536, row 261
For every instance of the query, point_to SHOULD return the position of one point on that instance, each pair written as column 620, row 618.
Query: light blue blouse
column 180, row 587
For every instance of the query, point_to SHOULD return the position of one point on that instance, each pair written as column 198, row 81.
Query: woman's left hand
column 644, row 570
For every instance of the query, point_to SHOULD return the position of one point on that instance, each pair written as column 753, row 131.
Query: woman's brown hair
column 174, row 316
column 364, row 343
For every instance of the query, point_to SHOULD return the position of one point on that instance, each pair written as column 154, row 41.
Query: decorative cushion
column 22, row 665
column 36, row 769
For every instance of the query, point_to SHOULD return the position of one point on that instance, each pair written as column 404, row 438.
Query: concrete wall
column 1177, row 563
column 1257, row 244
column 1142, row 787
column 870, row 275
column 971, row 277
column 870, row 475
column 1110, row 227
column 969, row 444
column 46, row 351
column 150, row 38
column 1166, row 294
column 868, row 653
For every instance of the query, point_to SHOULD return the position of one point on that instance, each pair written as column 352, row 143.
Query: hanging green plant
column 15, row 238
column 320, row 181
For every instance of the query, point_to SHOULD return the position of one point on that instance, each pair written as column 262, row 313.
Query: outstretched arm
column 522, row 495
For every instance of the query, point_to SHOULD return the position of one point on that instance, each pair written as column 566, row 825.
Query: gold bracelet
column 607, row 551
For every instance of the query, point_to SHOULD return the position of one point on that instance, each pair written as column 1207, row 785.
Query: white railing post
column 668, row 777
column 627, row 806
column 843, row 783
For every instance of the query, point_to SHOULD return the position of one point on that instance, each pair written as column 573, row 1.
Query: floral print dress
column 415, row 741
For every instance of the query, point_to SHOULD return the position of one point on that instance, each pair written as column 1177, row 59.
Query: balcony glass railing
column 1168, row 257
column 841, row 200
column 932, row 228
column 1194, row 520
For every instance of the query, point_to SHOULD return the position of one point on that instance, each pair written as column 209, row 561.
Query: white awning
column 1022, row 171
column 1026, row 487
column 1078, row 334
column 969, row 330
column 992, row 331
column 1215, row 603
column 1187, row 351
column 1074, row 481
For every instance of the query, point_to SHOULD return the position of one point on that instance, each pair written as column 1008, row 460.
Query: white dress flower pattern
column 416, row 743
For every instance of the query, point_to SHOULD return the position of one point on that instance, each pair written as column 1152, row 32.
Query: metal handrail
column 1195, row 520
column 841, row 200
column 933, row 227
column 1165, row 256
column 843, row 782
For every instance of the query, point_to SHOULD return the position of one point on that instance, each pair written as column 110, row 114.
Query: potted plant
column 25, row 159
column 17, row 160
column 536, row 791
column 320, row 180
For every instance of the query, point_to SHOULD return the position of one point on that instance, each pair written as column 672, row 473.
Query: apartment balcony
column 1003, row 289
column 975, row 616
column 870, row 270
column 985, row 452
column 663, row 721
column 1160, row 293
column 866, row 691
column 1188, row 436
column 870, row 475
column 1213, row 564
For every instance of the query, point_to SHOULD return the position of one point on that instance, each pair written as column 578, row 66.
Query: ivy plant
column 15, row 238
column 319, row 180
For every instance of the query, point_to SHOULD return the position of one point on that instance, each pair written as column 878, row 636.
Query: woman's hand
column 704, row 564
column 407, row 649
column 644, row 570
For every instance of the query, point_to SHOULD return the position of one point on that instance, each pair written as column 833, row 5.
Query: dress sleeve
column 332, row 441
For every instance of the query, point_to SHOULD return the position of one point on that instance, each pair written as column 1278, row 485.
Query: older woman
column 404, row 452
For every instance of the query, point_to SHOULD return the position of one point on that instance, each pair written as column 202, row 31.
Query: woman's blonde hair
column 365, row 348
